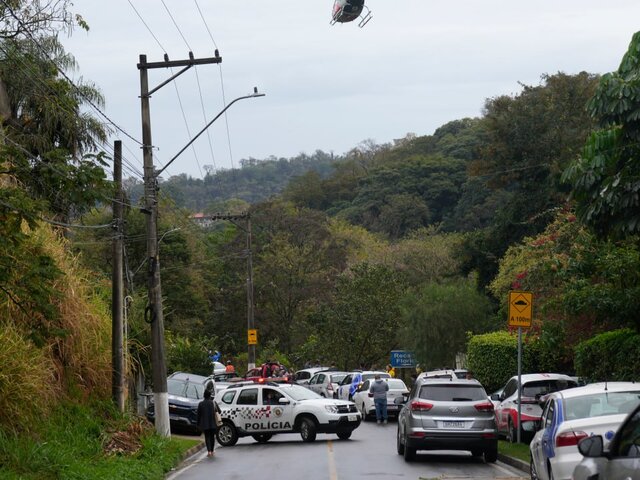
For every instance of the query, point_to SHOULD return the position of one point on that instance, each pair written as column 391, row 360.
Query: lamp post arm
column 253, row 95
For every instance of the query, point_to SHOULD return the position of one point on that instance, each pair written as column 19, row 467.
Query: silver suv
column 447, row 414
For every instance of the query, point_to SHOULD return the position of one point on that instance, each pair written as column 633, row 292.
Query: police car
column 263, row 410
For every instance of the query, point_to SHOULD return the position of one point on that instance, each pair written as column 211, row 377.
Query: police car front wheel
column 307, row 430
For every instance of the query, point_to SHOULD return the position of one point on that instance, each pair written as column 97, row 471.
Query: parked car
column 574, row 414
column 621, row 462
column 364, row 400
column 326, row 383
column 350, row 384
column 534, row 386
column 263, row 410
column 185, row 391
column 302, row 377
column 447, row 414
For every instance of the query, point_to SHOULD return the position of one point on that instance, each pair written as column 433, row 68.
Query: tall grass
column 71, row 353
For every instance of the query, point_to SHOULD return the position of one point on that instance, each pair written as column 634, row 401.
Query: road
column 370, row 453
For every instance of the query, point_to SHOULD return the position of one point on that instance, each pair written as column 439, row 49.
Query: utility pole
column 153, row 311
column 117, row 353
column 251, row 361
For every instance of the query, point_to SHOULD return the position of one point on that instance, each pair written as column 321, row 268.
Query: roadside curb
column 514, row 462
column 192, row 451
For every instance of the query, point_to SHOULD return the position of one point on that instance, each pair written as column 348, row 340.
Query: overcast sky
column 417, row 65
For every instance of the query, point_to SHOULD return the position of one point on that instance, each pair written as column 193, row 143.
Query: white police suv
column 263, row 410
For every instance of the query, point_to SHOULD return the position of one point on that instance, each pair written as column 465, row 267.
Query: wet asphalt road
column 369, row 454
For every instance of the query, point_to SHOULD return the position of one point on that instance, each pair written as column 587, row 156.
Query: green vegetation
column 610, row 356
column 80, row 441
column 515, row 450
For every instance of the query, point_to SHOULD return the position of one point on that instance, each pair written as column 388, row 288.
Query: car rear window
column 452, row 393
column 543, row 387
column 338, row 377
column 600, row 404
column 396, row 384
column 367, row 376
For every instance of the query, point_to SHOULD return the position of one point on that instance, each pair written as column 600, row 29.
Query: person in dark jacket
column 207, row 422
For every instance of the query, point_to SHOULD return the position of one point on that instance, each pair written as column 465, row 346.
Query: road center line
column 333, row 473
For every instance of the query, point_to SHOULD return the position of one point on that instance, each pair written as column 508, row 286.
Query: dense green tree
column 530, row 139
column 437, row 318
column 606, row 177
column 361, row 325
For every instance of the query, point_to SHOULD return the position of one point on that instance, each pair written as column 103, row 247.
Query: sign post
column 252, row 336
column 520, row 314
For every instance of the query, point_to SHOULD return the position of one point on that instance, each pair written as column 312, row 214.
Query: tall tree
column 606, row 177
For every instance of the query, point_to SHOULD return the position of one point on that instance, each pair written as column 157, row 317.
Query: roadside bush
column 189, row 354
column 612, row 356
column 493, row 357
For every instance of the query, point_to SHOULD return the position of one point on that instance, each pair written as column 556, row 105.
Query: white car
column 263, row 410
column 534, row 386
column 621, row 462
column 573, row 414
column 447, row 373
column 326, row 383
column 352, row 382
column 302, row 377
column 364, row 400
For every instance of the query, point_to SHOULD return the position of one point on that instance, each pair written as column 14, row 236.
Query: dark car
column 447, row 414
column 185, row 392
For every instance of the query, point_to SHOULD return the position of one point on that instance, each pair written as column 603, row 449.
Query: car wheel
column 307, row 430
column 532, row 470
column 512, row 434
column 409, row 452
column 227, row 434
column 323, row 395
column 344, row 434
column 262, row 437
column 399, row 444
column 491, row 454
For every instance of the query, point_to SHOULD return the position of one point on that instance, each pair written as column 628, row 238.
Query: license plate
column 452, row 424
column 352, row 418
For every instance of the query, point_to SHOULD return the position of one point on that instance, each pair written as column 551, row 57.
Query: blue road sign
column 402, row 359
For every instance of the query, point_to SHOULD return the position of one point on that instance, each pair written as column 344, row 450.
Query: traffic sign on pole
column 252, row 336
column 520, row 309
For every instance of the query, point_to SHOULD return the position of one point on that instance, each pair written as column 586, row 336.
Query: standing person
column 379, row 389
column 206, row 421
column 230, row 368
column 391, row 371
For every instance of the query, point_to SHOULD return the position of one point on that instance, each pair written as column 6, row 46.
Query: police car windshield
column 299, row 393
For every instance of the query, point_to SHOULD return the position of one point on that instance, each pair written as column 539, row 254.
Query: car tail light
column 330, row 387
column 484, row 407
column 568, row 439
column 417, row 406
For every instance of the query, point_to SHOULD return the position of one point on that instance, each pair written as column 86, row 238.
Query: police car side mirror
column 283, row 401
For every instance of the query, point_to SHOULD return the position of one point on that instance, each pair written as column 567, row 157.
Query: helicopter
column 349, row 10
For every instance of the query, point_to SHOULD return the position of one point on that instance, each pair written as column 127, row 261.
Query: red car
column 267, row 372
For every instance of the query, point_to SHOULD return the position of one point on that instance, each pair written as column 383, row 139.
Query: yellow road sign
column 520, row 309
column 252, row 336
